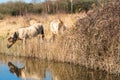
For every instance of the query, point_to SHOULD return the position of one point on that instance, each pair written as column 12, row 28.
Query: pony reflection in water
column 25, row 33
column 28, row 72
column 18, row 71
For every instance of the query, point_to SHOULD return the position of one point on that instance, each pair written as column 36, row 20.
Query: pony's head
column 12, row 67
column 15, row 69
column 12, row 39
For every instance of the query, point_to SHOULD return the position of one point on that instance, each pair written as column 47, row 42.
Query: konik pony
column 57, row 27
column 25, row 33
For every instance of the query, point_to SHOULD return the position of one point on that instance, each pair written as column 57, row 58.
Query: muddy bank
column 94, row 42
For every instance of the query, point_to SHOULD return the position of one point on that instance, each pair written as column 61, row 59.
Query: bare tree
column 71, row 6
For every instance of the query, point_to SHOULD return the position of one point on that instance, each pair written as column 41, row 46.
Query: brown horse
column 25, row 33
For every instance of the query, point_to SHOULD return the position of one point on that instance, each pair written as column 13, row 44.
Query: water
column 43, row 70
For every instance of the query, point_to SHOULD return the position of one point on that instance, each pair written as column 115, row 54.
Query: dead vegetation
column 94, row 42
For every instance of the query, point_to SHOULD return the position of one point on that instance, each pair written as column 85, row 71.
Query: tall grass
column 33, row 46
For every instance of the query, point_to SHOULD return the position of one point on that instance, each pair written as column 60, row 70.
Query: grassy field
column 35, row 48
column 10, row 24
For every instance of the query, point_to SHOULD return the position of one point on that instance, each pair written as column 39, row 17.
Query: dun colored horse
column 25, row 33
column 57, row 27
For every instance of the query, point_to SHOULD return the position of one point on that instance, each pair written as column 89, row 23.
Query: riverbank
column 94, row 42
column 41, row 69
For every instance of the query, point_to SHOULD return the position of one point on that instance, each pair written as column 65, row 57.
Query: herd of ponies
column 56, row 27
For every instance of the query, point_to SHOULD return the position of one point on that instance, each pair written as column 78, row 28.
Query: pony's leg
column 43, row 38
column 54, row 36
column 52, row 39
column 38, row 42
column 24, row 43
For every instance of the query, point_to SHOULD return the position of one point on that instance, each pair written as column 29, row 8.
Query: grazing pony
column 57, row 27
column 25, row 33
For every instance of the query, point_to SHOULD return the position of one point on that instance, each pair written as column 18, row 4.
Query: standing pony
column 57, row 27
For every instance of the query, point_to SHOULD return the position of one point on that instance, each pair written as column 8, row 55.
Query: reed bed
column 93, row 41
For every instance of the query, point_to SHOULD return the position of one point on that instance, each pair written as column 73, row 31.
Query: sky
column 28, row 1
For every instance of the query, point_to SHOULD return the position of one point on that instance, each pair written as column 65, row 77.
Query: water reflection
column 14, row 69
column 30, row 69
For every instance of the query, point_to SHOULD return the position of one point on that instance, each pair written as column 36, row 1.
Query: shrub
column 95, row 40
column 1, row 16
